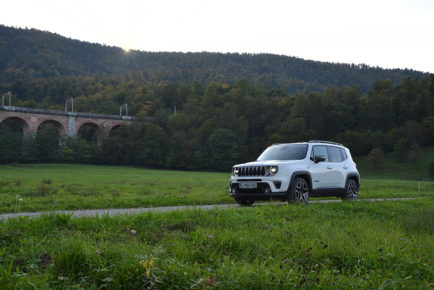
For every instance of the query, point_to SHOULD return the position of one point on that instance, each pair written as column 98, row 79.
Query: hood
column 267, row 163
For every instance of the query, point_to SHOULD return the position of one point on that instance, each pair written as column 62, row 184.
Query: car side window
column 334, row 154
column 320, row 150
column 343, row 153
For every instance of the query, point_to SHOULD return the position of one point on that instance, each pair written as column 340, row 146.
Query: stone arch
column 21, row 123
column 114, row 129
column 90, row 132
column 54, row 128
column 56, row 124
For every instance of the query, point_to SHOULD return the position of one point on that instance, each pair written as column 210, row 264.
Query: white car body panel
column 324, row 175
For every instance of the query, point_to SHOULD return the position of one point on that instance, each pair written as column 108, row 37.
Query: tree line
column 216, row 125
column 37, row 64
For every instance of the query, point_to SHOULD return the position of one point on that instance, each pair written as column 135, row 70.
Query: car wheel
column 299, row 191
column 244, row 202
column 351, row 190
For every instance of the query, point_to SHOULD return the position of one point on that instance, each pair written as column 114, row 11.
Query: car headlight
column 235, row 171
column 272, row 170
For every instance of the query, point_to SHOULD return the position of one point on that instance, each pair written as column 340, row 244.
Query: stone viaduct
column 67, row 123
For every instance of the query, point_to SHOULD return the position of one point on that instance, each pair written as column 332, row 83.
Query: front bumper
column 261, row 196
column 266, row 189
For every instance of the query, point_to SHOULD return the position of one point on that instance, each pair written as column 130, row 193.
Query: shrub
column 401, row 149
column 414, row 157
column 376, row 158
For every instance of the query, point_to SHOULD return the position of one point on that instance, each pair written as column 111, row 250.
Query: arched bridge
column 67, row 123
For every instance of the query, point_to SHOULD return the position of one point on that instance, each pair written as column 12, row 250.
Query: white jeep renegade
column 296, row 171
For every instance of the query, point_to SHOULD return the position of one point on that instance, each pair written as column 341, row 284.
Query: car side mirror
column 319, row 158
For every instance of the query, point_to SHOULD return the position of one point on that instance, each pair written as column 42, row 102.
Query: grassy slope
column 37, row 187
column 385, row 245
column 398, row 170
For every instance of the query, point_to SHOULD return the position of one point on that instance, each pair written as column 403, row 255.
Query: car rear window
column 343, row 154
column 334, row 154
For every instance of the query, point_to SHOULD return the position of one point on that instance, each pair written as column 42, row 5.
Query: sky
column 385, row 33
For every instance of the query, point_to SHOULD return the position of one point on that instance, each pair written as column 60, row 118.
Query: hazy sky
column 387, row 33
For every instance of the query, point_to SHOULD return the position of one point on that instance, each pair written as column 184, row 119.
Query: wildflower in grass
column 18, row 201
column 147, row 264
column 133, row 232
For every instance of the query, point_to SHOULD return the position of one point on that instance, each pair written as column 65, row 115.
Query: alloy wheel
column 301, row 191
column 352, row 190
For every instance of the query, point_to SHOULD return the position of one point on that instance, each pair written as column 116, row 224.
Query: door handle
column 345, row 167
column 329, row 167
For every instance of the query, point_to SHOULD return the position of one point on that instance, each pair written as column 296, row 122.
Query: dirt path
column 120, row 211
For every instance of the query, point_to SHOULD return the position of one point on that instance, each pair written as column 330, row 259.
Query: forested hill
column 29, row 54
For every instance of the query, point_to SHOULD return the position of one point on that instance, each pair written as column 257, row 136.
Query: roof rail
column 326, row 142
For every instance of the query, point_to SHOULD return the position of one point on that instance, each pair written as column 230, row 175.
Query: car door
column 320, row 172
column 336, row 167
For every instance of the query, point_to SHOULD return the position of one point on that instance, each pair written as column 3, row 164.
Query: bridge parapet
column 68, row 123
column 61, row 113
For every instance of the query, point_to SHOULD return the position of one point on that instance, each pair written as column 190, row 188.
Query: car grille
column 252, row 171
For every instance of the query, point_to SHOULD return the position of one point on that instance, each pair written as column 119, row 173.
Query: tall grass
column 348, row 245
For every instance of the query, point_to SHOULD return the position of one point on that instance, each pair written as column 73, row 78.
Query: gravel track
column 123, row 211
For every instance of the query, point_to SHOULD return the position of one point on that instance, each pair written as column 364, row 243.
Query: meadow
column 46, row 187
column 349, row 245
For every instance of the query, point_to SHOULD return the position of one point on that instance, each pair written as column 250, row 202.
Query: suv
column 296, row 171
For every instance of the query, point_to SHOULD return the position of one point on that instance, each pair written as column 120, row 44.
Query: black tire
column 351, row 192
column 244, row 202
column 298, row 191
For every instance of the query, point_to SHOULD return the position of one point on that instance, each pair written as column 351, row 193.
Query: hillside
column 210, row 110
column 29, row 54
column 391, row 168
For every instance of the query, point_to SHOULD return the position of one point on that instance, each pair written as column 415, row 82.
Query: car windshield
column 284, row 152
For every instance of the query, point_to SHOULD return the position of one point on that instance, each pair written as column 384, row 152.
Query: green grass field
column 70, row 186
column 370, row 245
column 44, row 187
column 384, row 245
column 392, row 169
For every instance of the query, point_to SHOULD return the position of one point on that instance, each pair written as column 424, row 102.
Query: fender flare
column 301, row 172
column 354, row 176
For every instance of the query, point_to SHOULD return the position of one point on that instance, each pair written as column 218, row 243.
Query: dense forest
column 217, row 125
column 48, row 68
column 209, row 110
